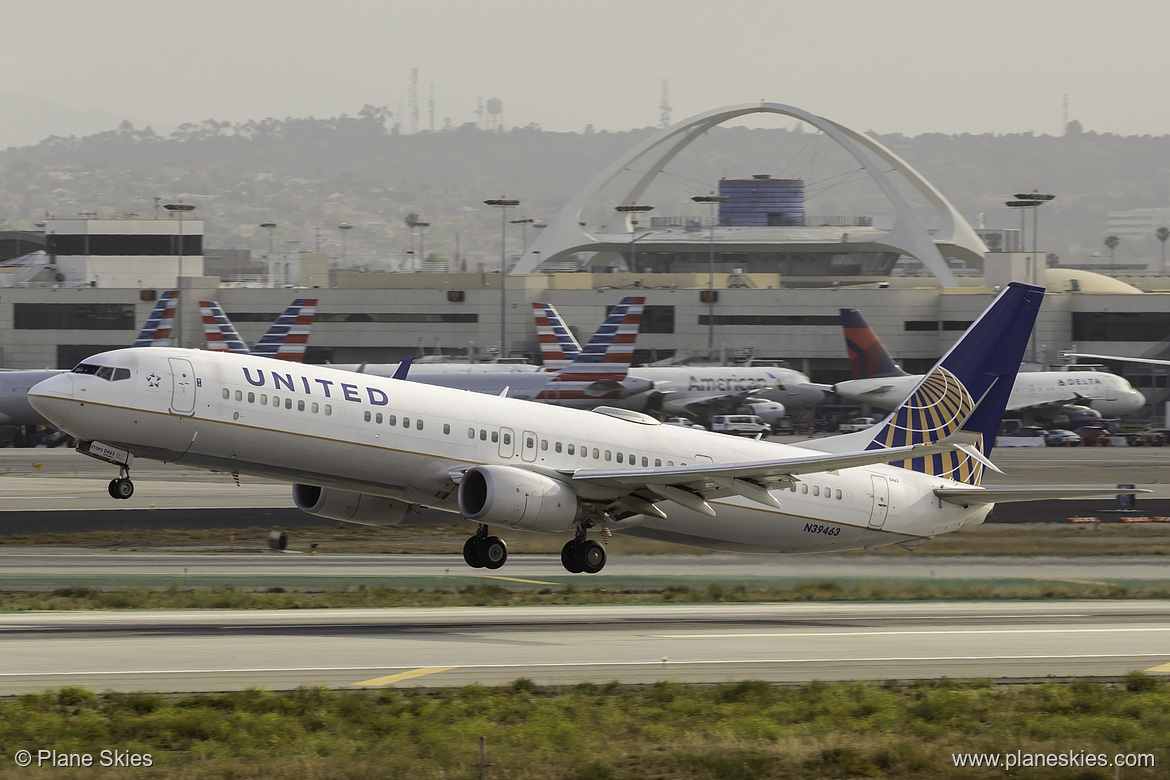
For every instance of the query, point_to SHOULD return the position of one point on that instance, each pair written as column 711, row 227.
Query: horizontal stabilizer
column 974, row 496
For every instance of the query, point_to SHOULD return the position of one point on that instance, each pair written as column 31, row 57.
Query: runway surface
column 209, row 651
column 46, row 568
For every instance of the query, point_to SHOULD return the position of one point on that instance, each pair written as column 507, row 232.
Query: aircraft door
column 881, row 501
column 528, row 446
column 183, row 386
column 507, row 442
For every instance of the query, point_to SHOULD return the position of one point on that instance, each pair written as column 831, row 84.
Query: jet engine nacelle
column 518, row 498
column 771, row 412
column 356, row 508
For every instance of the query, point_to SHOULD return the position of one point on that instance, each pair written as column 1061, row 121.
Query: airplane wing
column 715, row 403
column 1120, row 359
column 976, row 495
column 691, row 486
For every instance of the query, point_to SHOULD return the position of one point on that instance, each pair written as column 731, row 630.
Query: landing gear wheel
column 471, row 552
column 569, row 558
column 592, row 556
column 493, row 552
column 121, row 488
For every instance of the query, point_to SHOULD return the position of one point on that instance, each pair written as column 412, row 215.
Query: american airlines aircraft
column 285, row 339
column 598, row 374
column 365, row 449
column 879, row 381
column 695, row 390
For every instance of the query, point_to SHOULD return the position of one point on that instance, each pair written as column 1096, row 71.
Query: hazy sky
column 907, row 66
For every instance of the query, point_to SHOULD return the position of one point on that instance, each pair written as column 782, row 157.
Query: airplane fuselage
column 1109, row 394
column 383, row 437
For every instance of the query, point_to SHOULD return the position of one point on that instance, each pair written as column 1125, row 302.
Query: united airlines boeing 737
column 365, row 449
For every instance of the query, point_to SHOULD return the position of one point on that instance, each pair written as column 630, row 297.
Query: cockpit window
column 108, row 373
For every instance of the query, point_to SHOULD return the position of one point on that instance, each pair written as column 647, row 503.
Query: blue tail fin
column 967, row 390
column 157, row 330
column 868, row 357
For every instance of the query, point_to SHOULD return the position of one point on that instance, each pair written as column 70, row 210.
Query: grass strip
column 231, row 597
column 736, row 730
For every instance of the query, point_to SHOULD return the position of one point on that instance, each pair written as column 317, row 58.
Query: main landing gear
column 122, row 487
column 482, row 551
column 485, row 552
column 582, row 555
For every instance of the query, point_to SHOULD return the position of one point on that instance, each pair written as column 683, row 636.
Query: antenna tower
column 413, row 100
column 664, row 117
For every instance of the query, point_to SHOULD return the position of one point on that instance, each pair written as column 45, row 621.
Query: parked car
column 1062, row 438
column 1095, row 436
column 739, row 424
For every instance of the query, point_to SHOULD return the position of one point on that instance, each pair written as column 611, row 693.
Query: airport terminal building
column 777, row 277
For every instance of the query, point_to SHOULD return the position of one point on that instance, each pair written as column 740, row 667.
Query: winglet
column 402, row 370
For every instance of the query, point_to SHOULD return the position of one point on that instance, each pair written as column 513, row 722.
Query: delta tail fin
column 967, row 390
column 599, row 369
column 558, row 347
column 868, row 357
column 157, row 330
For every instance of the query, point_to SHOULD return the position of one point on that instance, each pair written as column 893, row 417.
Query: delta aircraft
column 879, row 381
column 365, row 449
column 699, row 390
column 598, row 374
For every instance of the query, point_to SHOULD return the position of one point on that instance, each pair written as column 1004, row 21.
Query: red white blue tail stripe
column 289, row 335
column 598, row 370
column 558, row 347
column 285, row 340
column 157, row 330
column 219, row 331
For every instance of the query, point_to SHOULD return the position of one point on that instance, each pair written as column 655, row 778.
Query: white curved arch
column 908, row 233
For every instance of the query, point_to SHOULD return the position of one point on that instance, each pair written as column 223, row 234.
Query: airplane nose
column 53, row 398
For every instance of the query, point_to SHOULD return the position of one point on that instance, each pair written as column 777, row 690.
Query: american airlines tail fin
column 218, row 330
column 868, row 357
column 157, row 330
column 598, row 370
column 558, row 347
column 966, row 392
column 287, row 337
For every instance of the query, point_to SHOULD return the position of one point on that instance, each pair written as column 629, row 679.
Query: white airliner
column 598, row 374
column 698, row 390
column 878, row 381
column 364, row 449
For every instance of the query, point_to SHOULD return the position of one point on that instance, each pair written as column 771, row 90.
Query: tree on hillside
column 1162, row 234
column 1111, row 242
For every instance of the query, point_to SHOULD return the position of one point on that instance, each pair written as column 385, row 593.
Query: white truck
column 740, row 424
column 856, row 424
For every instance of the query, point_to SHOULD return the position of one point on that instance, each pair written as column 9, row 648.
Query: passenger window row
column 261, row 399
column 829, row 493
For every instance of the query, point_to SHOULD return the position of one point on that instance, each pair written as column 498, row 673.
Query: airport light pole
column 711, row 200
column 344, row 227
column 270, row 226
column 422, row 242
column 503, row 204
column 1031, row 200
column 633, row 209
column 181, row 209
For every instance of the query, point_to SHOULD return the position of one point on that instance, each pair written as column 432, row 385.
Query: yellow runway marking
column 1162, row 668
column 512, row 579
column 1078, row 582
column 404, row 675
